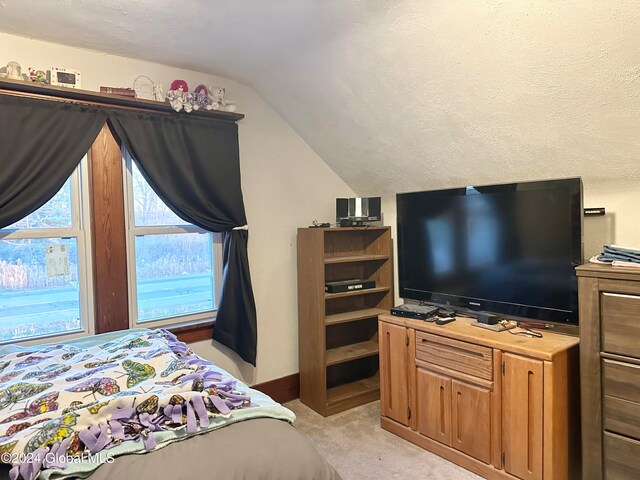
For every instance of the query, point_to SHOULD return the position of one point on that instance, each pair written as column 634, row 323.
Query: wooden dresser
column 610, row 371
column 500, row 405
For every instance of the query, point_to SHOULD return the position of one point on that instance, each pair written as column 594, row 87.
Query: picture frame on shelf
column 65, row 77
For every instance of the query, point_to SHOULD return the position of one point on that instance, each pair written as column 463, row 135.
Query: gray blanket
column 260, row 449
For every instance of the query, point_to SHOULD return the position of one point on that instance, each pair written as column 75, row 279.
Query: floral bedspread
column 59, row 402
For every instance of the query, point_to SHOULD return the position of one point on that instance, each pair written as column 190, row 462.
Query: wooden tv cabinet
column 503, row 406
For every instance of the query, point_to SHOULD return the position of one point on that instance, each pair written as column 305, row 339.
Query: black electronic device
column 352, row 212
column 315, row 224
column 348, row 285
column 444, row 321
column 421, row 312
column 508, row 249
column 487, row 318
column 594, row 212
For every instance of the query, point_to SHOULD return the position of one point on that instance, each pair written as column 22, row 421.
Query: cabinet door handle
column 458, row 396
column 442, row 406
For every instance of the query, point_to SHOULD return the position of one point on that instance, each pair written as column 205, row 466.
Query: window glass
column 174, row 275
column 173, row 265
column 149, row 209
column 34, row 300
column 56, row 213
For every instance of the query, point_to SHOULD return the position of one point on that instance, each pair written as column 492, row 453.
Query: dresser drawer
column 456, row 355
column 621, row 416
column 621, row 380
column 621, row 458
column 620, row 323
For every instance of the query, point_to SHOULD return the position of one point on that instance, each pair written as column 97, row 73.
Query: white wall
column 285, row 185
column 432, row 94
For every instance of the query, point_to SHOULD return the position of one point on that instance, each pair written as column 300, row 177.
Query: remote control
column 444, row 321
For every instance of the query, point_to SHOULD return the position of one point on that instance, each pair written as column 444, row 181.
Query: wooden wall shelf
column 87, row 97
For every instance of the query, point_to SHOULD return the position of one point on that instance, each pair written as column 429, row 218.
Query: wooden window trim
column 108, row 235
column 193, row 331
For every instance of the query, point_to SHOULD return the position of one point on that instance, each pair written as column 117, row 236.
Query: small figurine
column 187, row 100
column 14, row 71
column 218, row 102
column 158, row 94
column 216, row 94
column 41, row 76
column 37, row 76
column 179, row 97
column 200, row 98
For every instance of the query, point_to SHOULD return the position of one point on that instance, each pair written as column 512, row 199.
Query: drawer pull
column 620, row 295
column 453, row 347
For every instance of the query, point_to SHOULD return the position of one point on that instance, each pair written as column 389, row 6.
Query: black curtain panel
column 237, row 304
column 194, row 167
column 41, row 143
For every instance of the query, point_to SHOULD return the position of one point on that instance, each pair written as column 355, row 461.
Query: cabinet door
column 522, row 418
column 471, row 420
column 394, row 395
column 434, row 406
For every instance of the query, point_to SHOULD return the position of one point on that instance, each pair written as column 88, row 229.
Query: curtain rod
column 86, row 97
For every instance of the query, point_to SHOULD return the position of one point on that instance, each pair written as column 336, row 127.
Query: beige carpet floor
column 355, row 444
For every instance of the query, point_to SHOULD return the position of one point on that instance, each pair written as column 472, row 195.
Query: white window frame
column 81, row 231
column 134, row 231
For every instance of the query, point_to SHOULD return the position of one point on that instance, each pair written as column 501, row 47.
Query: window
column 45, row 285
column 174, row 267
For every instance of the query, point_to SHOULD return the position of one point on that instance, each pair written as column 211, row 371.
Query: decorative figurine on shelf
column 200, row 98
column 37, row 76
column 218, row 102
column 14, row 71
column 179, row 96
column 158, row 94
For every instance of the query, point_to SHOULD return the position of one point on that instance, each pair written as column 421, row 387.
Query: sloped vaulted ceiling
column 401, row 95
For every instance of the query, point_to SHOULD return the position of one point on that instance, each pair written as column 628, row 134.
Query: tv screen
column 509, row 249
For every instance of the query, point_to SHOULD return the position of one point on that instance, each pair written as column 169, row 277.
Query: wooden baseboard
column 282, row 389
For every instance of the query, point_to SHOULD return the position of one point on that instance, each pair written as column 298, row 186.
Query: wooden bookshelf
column 338, row 340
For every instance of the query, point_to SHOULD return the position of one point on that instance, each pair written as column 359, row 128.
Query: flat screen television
column 508, row 249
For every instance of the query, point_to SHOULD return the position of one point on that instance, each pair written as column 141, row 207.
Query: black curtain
column 194, row 167
column 192, row 164
column 41, row 143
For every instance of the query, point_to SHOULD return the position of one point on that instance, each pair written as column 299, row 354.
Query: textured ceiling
column 401, row 95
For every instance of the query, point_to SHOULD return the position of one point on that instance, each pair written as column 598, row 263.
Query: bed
column 140, row 404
